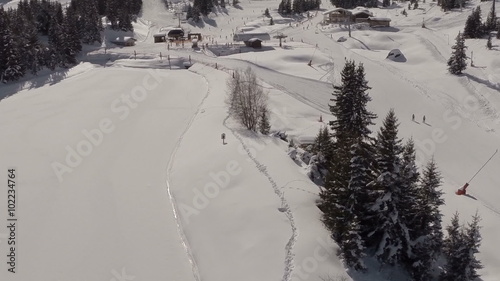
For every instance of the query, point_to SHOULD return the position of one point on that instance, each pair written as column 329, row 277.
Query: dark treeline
column 349, row 4
column 43, row 33
column 297, row 6
column 376, row 202
column 205, row 7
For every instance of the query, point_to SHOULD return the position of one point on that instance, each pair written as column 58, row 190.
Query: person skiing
column 423, row 119
column 413, row 117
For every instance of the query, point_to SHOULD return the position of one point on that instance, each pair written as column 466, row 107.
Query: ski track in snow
column 289, row 258
column 180, row 229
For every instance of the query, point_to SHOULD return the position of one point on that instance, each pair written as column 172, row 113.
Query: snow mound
column 396, row 55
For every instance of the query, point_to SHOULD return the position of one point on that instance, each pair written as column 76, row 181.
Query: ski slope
column 108, row 211
column 161, row 198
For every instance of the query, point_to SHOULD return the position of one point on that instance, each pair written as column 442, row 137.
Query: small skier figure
column 413, row 117
column 423, row 119
column 223, row 137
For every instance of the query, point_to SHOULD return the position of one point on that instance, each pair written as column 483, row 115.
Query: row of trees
column 247, row 101
column 42, row 34
column 297, row 6
column 375, row 201
column 349, row 4
column 204, row 7
column 475, row 28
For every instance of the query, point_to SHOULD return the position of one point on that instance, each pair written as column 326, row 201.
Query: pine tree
column 189, row 12
column 288, row 7
column 125, row 21
column 453, row 269
column 264, row 126
column 391, row 233
column 473, row 24
column 491, row 20
column 266, row 13
column 409, row 185
column 56, row 43
column 472, row 243
column 90, row 23
column 427, row 236
column 323, row 144
column 457, row 62
column 27, row 37
column 345, row 198
column 10, row 57
column 460, row 248
column 353, row 249
column 71, row 43
column 281, row 7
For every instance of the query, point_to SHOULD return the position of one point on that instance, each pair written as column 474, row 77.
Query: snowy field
column 121, row 173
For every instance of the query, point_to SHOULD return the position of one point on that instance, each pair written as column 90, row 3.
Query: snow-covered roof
column 160, row 35
column 124, row 39
column 334, row 10
column 254, row 40
column 361, row 10
column 379, row 19
column 247, row 36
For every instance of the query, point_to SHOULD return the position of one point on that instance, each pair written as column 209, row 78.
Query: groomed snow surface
column 121, row 172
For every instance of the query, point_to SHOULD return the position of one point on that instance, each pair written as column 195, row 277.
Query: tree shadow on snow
column 210, row 21
column 30, row 81
column 487, row 83
column 470, row 196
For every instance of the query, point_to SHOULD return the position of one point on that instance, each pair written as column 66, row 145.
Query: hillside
column 151, row 193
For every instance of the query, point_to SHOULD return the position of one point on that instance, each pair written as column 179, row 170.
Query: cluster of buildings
column 357, row 15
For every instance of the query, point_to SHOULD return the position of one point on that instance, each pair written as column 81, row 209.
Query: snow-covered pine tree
column 113, row 8
column 460, row 248
column 189, row 12
column 409, row 185
column 427, row 235
column 125, row 20
column 473, row 24
column 90, row 23
column 71, row 43
column 323, row 144
column 472, row 242
column 391, row 234
column 352, row 246
column 452, row 245
column 264, row 126
column 491, row 19
column 10, row 57
column 457, row 62
column 56, row 44
column 288, row 7
column 345, row 195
